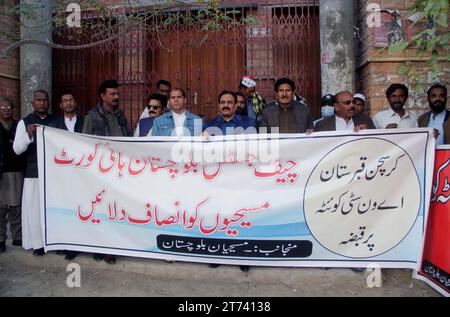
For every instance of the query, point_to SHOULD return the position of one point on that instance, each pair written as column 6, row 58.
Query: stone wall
column 376, row 69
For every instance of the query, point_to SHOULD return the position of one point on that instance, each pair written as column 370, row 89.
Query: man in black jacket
column 11, row 177
column 345, row 117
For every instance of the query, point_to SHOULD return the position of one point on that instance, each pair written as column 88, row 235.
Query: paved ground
column 22, row 274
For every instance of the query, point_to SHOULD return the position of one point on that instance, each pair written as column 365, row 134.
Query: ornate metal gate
column 284, row 42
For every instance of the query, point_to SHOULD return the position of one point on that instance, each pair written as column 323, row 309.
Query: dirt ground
column 22, row 274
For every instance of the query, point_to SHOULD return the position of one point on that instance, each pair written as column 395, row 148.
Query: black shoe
column 39, row 252
column 70, row 255
column 60, row 252
column 244, row 268
column 213, row 266
column 98, row 257
column 357, row 269
column 17, row 243
column 110, row 259
column 2, row 247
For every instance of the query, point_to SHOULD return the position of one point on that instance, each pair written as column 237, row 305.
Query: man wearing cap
column 438, row 116
column 255, row 103
column 287, row 115
column 327, row 107
column 345, row 117
column 360, row 103
column 397, row 116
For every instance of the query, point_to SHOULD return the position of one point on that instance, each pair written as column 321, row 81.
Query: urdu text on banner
column 330, row 199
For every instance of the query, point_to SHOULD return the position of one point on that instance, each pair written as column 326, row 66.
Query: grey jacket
column 271, row 117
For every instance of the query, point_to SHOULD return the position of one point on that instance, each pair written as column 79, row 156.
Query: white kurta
column 32, row 237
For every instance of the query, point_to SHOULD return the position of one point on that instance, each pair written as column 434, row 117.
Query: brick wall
column 376, row 70
column 9, row 67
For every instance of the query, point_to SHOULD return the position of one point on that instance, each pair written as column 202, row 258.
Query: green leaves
column 428, row 42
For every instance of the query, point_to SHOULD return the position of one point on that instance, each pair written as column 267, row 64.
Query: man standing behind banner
column 156, row 106
column 437, row 118
column 25, row 142
column 69, row 121
column 178, row 121
column 345, row 117
column 229, row 122
column 11, row 177
column 107, row 119
column 287, row 115
column 397, row 116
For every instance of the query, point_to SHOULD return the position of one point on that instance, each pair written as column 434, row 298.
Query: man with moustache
column 228, row 122
column 163, row 88
column 107, row 119
column 25, row 142
column 286, row 115
column 438, row 117
column 156, row 106
column 397, row 116
column 345, row 117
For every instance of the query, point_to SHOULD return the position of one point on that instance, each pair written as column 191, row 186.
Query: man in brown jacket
column 438, row 116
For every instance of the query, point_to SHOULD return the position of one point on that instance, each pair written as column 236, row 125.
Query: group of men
column 166, row 114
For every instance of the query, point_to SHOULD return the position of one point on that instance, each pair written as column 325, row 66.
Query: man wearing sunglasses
column 345, row 117
column 155, row 107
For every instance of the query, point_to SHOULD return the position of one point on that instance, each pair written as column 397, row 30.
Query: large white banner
column 328, row 199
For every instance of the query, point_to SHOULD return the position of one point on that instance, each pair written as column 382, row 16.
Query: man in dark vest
column 25, row 142
column 11, row 177
column 69, row 121
column 107, row 119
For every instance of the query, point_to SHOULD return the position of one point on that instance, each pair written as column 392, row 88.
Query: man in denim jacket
column 178, row 122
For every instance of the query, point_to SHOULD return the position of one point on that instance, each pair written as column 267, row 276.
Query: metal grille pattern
column 285, row 42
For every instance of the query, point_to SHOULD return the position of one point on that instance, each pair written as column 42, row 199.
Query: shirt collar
column 392, row 113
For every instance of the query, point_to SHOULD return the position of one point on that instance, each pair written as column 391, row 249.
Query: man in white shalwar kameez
column 25, row 142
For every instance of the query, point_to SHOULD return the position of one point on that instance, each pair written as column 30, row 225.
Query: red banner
column 435, row 268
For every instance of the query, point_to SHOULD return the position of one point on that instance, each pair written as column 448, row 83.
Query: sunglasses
column 154, row 107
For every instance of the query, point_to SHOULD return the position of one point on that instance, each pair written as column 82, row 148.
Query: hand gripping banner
column 327, row 200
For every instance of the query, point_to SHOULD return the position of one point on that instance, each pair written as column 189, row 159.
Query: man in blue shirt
column 228, row 122
column 179, row 121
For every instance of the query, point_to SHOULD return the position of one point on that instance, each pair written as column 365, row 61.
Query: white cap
column 360, row 96
column 248, row 82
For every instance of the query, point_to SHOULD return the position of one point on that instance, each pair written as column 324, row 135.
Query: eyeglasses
column 5, row 107
column 154, row 107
